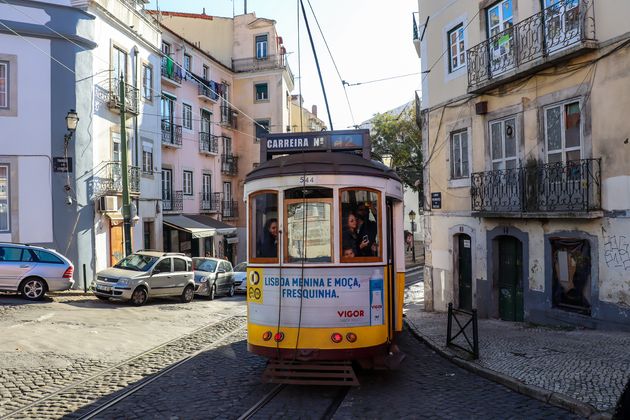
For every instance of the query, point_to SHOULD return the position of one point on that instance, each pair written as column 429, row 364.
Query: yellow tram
column 325, row 250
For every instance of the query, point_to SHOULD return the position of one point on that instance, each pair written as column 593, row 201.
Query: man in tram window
column 367, row 230
column 269, row 243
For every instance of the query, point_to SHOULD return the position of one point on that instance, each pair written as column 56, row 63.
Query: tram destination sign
column 317, row 141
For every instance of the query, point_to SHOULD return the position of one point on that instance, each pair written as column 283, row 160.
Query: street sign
column 62, row 164
column 436, row 200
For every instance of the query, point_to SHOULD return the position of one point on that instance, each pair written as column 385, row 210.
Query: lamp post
column 72, row 119
column 412, row 217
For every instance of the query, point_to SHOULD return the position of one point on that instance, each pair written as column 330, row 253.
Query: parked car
column 240, row 277
column 33, row 270
column 213, row 276
column 147, row 274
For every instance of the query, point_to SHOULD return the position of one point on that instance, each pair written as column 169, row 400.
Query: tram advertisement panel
column 326, row 297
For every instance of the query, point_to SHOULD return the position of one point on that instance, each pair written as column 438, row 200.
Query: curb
column 554, row 398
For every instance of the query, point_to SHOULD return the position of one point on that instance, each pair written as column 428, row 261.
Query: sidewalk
column 584, row 371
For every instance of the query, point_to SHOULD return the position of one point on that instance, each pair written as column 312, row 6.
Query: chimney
column 245, row 6
column 204, row 11
column 314, row 110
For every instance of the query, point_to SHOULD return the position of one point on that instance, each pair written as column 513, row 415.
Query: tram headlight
column 351, row 337
column 278, row 337
column 267, row 336
column 336, row 337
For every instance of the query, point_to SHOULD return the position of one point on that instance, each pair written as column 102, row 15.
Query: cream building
column 526, row 149
column 259, row 91
column 302, row 119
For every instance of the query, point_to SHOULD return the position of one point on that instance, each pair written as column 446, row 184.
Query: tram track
column 78, row 398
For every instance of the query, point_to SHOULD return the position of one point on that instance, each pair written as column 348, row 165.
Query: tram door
column 391, row 267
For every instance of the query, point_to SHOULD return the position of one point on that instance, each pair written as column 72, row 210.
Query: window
column 187, row 62
column 457, row 49
column 179, row 264
column 119, row 64
column 166, row 48
column 163, row 266
column 261, row 128
column 147, row 158
column 500, row 21
column 167, row 184
column 148, row 234
column 4, row 198
column 503, row 144
column 4, row 84
column 360, row 225
column 261, row 91
column 263, row 211
column 47, row 257
column 459, row 154
column 261, row 47
column 571, row 274
column 147, row 82
column 308, row 236
column 563, row 132
column 8, row 253
column 188, row 183
column 206, row 187
column 167, row 108
column 204, row 72
column 187, row 116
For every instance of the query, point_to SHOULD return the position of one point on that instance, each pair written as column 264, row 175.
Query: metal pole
column 475, row 334
column 449, row 325
column 125, row 170
column 84, row 280
column 413, row 241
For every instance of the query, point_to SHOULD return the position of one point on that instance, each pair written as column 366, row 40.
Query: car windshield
column 242, row 267
column 136, row 262
column 201, row 264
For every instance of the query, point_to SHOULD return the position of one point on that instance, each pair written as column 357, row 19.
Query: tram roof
column 328, row 163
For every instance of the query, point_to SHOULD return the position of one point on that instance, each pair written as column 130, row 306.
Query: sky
column 368, row 39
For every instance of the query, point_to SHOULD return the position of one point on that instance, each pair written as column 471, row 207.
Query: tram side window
column 264, row 226
column 360, row 225
column 308, row 237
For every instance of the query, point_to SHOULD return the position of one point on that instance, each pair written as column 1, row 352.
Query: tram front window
column 360, row 225
column 264, row 226
column 308, row 235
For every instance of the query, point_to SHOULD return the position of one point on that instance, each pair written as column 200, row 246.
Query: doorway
column 464, row 271
column 510, row 270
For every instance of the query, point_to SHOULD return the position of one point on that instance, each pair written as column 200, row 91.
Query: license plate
column 104, row 288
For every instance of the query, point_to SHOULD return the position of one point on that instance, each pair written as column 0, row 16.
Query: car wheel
column 139, row 296
column 188, row 294
column 213, row 291
column 33, row 289
column 231, row 291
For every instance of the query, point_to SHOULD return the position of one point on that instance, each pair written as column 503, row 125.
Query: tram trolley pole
column 473, row 347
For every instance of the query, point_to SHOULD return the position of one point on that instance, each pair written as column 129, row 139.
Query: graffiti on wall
column 616, row 252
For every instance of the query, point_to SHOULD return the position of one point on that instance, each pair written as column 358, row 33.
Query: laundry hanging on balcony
column 170, row 64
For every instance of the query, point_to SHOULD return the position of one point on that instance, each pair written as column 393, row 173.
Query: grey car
column 212, row 277
column 33, row 270
column 147, row 274
column 240, row 277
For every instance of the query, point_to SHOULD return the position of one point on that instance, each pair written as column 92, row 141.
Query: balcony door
column 205, row 121
column 167, row 189
column 206, row 187
column 505, row 183
column 119, row 64
column 561, row 23
column 227, row 199
column 500, row 19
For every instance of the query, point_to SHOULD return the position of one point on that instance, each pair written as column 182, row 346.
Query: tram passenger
column 348, row 251
column 351, row 237
column 269, row 244
column 367, row 228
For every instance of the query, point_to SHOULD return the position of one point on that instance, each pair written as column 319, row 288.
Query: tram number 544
column 307, row 179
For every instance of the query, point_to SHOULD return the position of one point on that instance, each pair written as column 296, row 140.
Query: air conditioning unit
column 108, row 203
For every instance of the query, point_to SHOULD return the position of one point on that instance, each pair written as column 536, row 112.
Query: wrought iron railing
column 208, row 143
column 229, row 164
column 108, row 179
column 205, row 91
column 229, row 209
column 573, row 186
column 173, row 201
column 210, row 202
column 171, row 70
column 171, row 133
column 131, row 96
column 276, row 61
column 566, row 23
column 228, row 116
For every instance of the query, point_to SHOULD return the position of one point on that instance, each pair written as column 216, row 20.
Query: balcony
column 229, row 209
column 173, row 201
column 557, row 33
column 171, row 72
column 561, row 189
column 108, row 179
column 205, row 93
column 228, row 116
column 171, row 134
column 208, row 143
column 229, row 164
column 131, row 97
column 416, row 32
column 209, row 202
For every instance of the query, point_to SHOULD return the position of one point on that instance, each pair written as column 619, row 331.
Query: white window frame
column 205, row 71
column 187, row 116
column 262, row 47
column 188, row 182
column 147, row 158
column 147, row 85
column 167, row 181
column 453, row 135
column 563, row 149
column 7, row 193
column 206, row 186
column 503, row 160
column 5, row 104
column 187, row 62
column 264, row 95
column 459, row 51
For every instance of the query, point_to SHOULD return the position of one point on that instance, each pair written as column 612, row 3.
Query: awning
column 198, row 225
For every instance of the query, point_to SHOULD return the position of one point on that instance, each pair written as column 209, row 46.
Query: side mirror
column 220, row 271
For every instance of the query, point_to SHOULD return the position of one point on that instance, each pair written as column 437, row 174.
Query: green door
column 465, row 272
column 510, row 279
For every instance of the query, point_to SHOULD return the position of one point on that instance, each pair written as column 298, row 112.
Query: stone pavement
column 584, row 371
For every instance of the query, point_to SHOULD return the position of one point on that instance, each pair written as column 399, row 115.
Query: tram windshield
column 308, row 237
column 360, row 226
column 264, row 216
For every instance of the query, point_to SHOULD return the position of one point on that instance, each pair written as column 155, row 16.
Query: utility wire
column 380, row 80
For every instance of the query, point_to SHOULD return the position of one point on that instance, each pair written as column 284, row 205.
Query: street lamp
column 72, row 119
column 412, row 217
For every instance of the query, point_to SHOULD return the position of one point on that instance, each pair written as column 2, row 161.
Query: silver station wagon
column 33, row 270
column 146, row 274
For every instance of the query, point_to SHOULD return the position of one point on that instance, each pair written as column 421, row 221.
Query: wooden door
column 465, row 272
column 116, row 243
column 510, row 279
